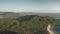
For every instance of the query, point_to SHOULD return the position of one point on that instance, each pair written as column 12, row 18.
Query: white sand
column 49, row 29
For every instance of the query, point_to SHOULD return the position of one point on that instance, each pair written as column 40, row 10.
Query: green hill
column 10, row 14
column 29, row 24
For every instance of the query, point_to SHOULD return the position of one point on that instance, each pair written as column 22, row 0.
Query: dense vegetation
column 8, row 24
column 30, row 24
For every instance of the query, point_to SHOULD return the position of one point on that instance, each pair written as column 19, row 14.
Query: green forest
column 29, row 24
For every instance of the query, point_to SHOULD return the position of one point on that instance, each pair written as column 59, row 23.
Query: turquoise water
column 56, row 29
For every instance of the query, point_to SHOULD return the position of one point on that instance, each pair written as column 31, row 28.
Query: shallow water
column 56, row 29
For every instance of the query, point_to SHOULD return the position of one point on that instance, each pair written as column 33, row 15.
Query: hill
column 11, row 14
column 33, row 23
column 29, row 24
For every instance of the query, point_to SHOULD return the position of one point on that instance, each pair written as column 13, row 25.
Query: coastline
column 49, row 29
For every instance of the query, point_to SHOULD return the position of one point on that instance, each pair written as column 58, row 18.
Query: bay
column 56, row 29
column 1, row 17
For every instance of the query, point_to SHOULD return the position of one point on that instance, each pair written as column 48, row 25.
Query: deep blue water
column 56, row 29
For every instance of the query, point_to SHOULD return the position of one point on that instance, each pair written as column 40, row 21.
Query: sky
column 48, row 6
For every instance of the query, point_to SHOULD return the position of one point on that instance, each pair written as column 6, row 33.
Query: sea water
column 1, row 17
column 56, row 29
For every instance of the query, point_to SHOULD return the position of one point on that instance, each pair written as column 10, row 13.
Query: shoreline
column 49, row 29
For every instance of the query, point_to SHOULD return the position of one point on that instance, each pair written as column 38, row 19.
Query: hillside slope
column 29, row 24
column 36, row 24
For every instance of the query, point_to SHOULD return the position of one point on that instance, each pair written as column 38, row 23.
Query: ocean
column 56, row 29
column 1, row 17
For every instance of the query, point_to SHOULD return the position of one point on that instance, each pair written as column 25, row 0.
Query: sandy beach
column 49, row 29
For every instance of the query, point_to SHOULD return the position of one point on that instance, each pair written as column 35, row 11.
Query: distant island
column 11, row 15
column 55, row 15
column 28, row 24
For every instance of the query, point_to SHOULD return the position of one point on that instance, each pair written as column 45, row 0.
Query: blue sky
column 30, row 5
